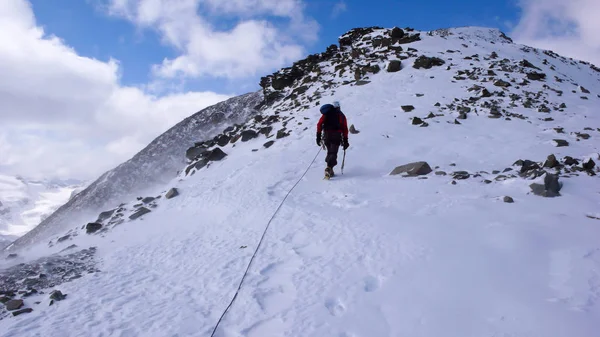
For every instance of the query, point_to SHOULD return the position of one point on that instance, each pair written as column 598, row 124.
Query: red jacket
column 343, row 125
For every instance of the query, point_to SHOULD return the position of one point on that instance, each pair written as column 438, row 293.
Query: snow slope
column 25, row 203
column 365, row 254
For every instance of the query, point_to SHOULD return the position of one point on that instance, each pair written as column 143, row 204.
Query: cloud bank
column 569, row 28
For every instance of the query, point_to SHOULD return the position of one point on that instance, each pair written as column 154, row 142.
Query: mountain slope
column 25, row 203
column 154, row 165
column 368, row 253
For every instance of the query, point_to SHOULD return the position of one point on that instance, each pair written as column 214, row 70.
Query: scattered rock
column 269, row 144
column 508, row 199
column 551, row 162
column 172, row 193
column 561, row 142
column 502, row 84
column 440, row 173
column 216, row 154
column 413, row 169
column 584, row 90
column 568, row 160
column 408, row 108
column 13, row 305
column 56, row 295
column 22, row 311
column 353, row 129
column 281, row 134
column 148, row 200
column 92, row 227
column 394, row 66
column 11, row 256
column 582, row 135
column 535, row 76
column 417, row 121
column 105, row 215
column 461, row 175
column 588, row 165
column 139, row 213
column 248, row 134
column 549, row 189
column 427, row 62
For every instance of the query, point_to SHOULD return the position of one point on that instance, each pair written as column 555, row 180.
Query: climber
column 333, row 127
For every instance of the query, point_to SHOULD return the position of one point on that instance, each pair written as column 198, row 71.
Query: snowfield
column 366, row 254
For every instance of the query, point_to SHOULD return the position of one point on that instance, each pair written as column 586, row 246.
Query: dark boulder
column 502, row 84
column 269, row 144
column 551, row 162
column 568, row 160
column 417, row 121
column 22, row 311
column 397, row 33
column 353, row 130
column 172, row 193
column 508, row 199
column 141, row 211
column 105, row 215
column 394, row 66
column 427, row 62
column 461, row 175
column 549, row 189
column 266, row 130
column 535, row 76
column 248, row 134
column 92, row 227
column 407, row 108
column 281, row 134
column 223, row 140
column 148, row 200
column 194, row 152
column 56, row 295
column 413, row 169
column 13, row 305
column 588, row 165
column 216, row 154
column 561, row 142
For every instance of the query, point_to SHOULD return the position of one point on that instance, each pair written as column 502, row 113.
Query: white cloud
column 339, row 8
column 63, row 115
column 252, row 47
column 569, row 28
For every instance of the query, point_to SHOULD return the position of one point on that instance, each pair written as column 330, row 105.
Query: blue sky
column 86, row 27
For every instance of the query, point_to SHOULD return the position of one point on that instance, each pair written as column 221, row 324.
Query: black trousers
column 332, row 142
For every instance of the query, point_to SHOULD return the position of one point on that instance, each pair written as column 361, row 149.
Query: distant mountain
column 25, row 203
column 156, row 164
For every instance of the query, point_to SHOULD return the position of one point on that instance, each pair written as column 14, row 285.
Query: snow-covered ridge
column 154, row 165
column 492, row 119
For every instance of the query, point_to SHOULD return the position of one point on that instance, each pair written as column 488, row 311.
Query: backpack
column 332, row 118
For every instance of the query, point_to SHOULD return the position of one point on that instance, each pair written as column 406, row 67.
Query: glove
column 345, row 143
column 318, row 139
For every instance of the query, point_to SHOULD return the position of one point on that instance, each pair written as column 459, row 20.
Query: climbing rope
column 260, row 243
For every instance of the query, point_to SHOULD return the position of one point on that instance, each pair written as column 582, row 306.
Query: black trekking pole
column 343, row 161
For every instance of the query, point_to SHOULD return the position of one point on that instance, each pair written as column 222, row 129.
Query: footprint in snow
column 371, row 283
column 335, row 307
